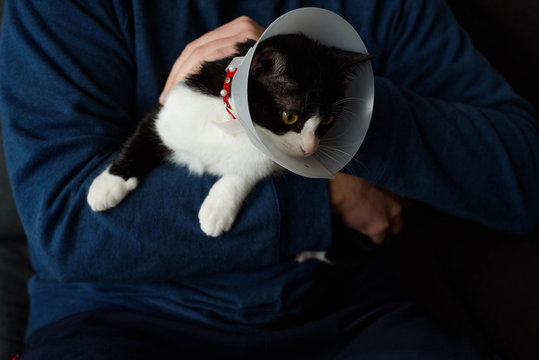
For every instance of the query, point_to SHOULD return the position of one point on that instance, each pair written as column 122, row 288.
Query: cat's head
column 297, row 88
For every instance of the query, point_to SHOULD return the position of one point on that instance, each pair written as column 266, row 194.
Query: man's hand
column 366, row 208
column 214, row 45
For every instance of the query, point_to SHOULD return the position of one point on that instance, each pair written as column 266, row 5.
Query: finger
column 211, row 51
column 216, row 44
column 396, row 225
column 378, row 238
column 171, row 80
column 217, row 39
column 239, row 29
column 242, row 25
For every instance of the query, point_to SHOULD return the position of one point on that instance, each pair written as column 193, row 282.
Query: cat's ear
column 349, row 61
column 270, row 62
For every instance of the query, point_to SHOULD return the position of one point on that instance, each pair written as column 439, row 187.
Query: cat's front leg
column 221, row 206
column 108, row 190
column 141, row 152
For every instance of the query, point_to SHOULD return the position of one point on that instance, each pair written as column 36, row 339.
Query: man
column 446, row 131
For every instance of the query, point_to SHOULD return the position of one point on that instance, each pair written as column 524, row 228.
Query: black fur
column 142, row 151
column 295, row 74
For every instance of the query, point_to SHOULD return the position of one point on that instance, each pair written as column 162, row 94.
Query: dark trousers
column 360, row 313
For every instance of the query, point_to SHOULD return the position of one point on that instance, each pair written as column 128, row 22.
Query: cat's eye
column 289, row 118
column 328, row 120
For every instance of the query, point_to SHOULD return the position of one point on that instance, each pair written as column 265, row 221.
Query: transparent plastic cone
column 347, row 133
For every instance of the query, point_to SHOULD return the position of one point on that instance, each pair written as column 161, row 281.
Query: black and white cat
column 295, row 88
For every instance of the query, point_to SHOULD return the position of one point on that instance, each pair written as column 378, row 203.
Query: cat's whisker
column 348, row 165
column 331, row 157
column 343, row 112
column 326, row 153
column 325, row 149
column 346, row 112
column 335, row 150
column 334, row 141
column 335, row 145
column 350, row 99
column 336, row 156
column 335, row 138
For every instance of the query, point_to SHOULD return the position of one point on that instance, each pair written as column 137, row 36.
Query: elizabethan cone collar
column 346, row 134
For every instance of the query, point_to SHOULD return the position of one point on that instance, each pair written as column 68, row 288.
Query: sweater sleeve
column 447, row 130
column 67, row 96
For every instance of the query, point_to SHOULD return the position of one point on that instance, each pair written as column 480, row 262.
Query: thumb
column 378, row 238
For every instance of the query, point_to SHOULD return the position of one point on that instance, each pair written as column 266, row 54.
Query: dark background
column 507, row 32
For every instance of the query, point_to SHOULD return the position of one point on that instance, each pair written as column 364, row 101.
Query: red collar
column 225, row 93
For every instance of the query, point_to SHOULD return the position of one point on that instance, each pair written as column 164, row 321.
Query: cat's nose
column 309, row 148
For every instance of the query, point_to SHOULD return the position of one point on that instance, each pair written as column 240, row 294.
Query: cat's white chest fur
column 186, row 124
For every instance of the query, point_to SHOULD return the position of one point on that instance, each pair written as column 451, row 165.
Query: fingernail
column 162, row 98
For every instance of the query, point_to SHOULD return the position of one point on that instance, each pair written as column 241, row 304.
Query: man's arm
column 67, row 100
column 447, row 130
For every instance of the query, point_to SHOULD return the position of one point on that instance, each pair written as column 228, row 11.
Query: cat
column 294, row 86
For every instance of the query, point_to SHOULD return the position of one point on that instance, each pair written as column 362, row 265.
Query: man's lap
column 386, row 332
column 351, row 313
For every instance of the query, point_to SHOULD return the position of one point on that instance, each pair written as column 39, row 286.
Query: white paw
column 215, row 216
column 220, row 208
column 109, row 190
column 308, row 255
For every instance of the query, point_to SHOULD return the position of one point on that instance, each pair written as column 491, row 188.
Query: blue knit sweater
column 77, row 75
